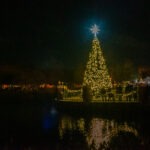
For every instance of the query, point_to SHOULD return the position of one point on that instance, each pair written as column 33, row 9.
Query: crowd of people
column 120, row 92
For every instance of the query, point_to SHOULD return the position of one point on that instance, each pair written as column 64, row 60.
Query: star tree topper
column 95, row 29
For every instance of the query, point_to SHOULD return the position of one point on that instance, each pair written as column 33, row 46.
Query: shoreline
column 117, row 110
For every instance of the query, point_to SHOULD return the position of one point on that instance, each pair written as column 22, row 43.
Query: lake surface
column 43, row 127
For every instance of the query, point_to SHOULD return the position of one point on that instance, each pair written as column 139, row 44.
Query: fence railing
column 107, row 96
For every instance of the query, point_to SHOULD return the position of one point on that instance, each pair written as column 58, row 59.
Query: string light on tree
column 96, row 75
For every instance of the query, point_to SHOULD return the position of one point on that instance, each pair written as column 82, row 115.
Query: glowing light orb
column 95, row 30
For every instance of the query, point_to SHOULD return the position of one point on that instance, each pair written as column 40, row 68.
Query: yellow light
column 96, row 75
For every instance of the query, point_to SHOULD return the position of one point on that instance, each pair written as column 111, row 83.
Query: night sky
column 47, row 34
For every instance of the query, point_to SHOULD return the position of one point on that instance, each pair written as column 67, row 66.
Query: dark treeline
column 12, row 74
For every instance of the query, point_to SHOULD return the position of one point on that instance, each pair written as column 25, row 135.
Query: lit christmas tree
column 96, row 76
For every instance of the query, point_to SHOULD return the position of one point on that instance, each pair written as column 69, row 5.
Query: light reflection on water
column 40, row 127
column 97, row 131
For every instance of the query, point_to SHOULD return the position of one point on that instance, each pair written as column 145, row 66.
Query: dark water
column 42, row 127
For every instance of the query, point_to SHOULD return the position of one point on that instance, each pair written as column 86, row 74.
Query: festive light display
column 96, row 76
column 95, row 30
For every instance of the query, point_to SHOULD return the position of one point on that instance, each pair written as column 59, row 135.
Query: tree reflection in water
column 97, row 133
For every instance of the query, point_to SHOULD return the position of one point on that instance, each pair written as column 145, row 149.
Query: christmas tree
column 96, row 76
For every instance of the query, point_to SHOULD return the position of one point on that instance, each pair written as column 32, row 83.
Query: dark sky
column 46, row 33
